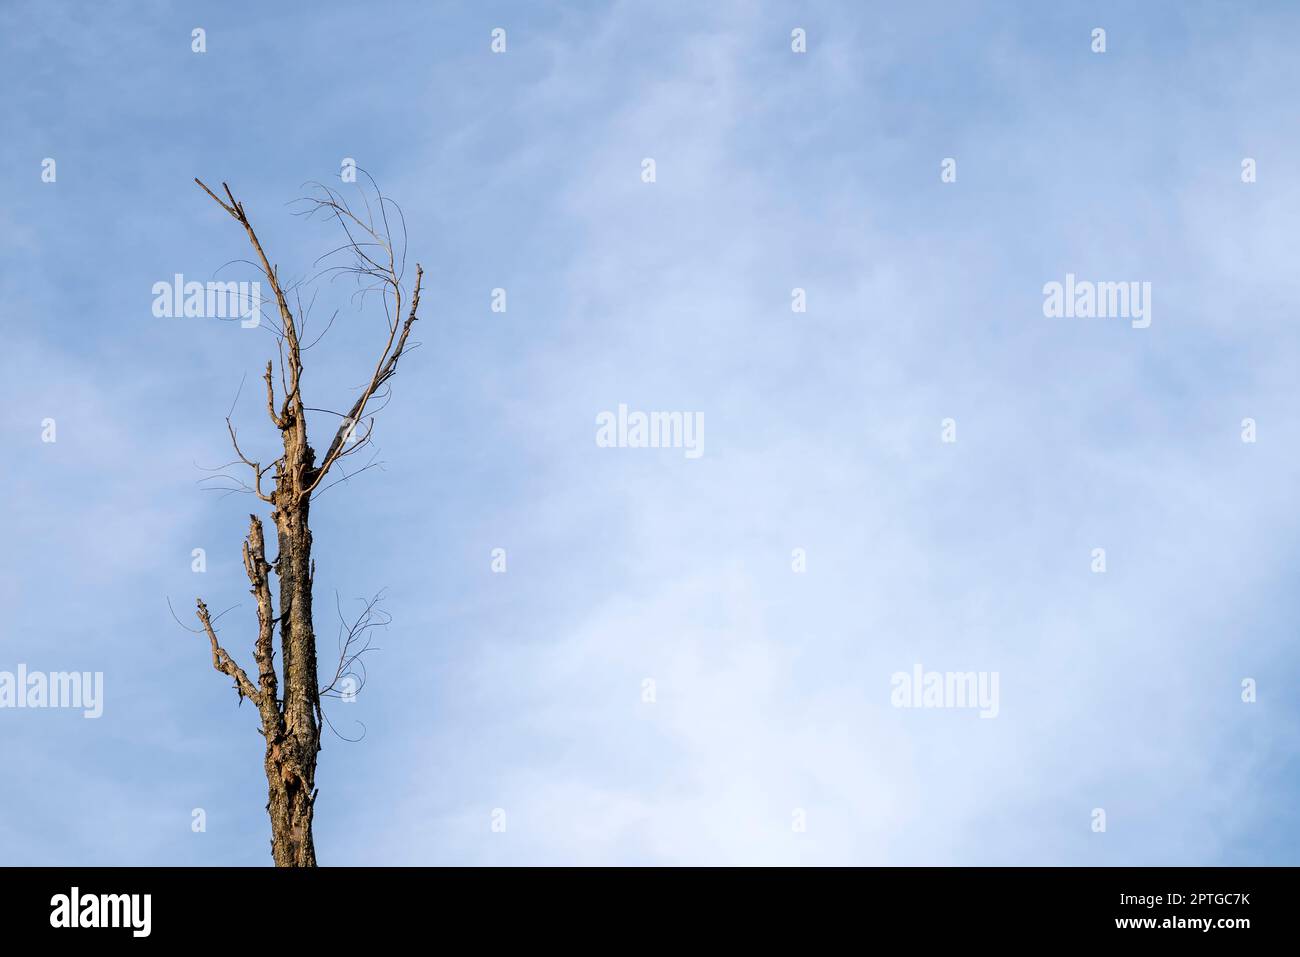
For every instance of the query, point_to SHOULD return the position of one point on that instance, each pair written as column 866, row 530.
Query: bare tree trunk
column 291, row 756
column 291, row 720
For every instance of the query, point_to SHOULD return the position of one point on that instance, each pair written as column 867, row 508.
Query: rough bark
column 290, row 710
column 291, row 754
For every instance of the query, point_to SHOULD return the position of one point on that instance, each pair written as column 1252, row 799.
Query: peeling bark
column 290, row 709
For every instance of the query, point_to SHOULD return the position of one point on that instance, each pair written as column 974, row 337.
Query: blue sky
column 775, row 170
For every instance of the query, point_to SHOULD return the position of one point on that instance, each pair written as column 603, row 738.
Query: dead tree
column 289, row 702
